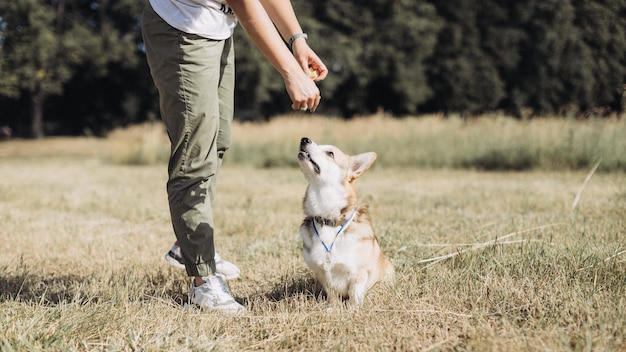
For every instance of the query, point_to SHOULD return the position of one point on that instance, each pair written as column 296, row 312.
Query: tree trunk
column 60, row 16
column 623, row 100
column 36, row 123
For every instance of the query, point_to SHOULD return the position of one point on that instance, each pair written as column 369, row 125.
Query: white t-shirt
column 211, row 19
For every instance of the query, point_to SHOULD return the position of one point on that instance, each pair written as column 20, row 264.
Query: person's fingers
column 315, row 103
column 304, row 93
column 320, row 70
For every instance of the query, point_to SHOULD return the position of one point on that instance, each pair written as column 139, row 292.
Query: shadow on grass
column 48, row 290
column 289, row 287
column 52, row 290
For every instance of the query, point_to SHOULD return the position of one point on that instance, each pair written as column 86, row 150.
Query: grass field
column 533, row 260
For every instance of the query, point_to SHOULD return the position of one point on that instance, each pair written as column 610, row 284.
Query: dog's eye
column 331, row 154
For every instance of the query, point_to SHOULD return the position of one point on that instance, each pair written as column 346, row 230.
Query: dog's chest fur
column 334, row 258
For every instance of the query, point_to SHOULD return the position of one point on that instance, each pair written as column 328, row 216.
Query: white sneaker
column 222, row 267
column 213, row 294
column 227, row 269
column 175, row 258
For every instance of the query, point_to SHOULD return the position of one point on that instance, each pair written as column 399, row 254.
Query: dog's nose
column 305, row 141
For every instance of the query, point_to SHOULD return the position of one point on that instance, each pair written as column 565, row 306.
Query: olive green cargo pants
column 195, row 80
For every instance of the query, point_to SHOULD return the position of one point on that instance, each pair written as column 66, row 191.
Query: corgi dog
column 339, row 244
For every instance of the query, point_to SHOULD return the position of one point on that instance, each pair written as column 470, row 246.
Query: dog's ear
column 360, row 163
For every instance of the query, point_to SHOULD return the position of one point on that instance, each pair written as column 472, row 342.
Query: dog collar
column 329, row 222
column 323, row 221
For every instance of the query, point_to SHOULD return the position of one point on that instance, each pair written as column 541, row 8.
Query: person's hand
column 307, row 59
column 302, row 90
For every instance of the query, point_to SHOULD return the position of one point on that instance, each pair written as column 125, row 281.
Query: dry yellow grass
column 83, row 240
column 489, row 143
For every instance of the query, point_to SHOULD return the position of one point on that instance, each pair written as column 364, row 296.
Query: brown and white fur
column 354, row 263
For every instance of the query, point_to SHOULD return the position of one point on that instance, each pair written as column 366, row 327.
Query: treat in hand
column 312, row 73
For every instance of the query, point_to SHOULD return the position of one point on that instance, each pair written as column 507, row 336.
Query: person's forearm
column 282, row 14
column 254, row 18
column 259, row 26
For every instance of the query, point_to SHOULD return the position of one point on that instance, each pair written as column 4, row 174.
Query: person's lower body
column 195, row 80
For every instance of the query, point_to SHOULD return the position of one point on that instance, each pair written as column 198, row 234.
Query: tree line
column 77, row 66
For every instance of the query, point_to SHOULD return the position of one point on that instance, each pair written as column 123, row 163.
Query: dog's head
column 327, row 165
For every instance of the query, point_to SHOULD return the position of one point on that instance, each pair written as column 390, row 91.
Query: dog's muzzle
column 304, row 142
column 303, row 154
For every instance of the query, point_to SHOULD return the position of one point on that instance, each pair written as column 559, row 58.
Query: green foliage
column 369, row 67
column 549, row 56
column 463, row 76
column 603, row 32
column 406, row 57
column 376, row 52
column 552, row 69
column 30, row 49
column 46, row 44
column 399, row 82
